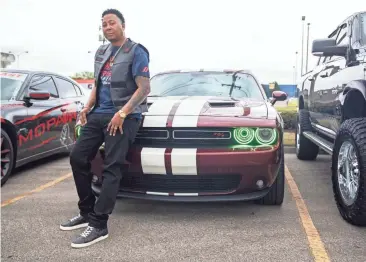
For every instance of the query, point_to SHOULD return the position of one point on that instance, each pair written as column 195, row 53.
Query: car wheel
column 276, row 194
column 305, row 149
column 349, row 171
column 7, row 157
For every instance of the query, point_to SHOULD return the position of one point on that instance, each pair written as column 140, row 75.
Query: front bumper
column 193, row 175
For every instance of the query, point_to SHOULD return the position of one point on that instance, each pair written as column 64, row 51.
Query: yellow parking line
column 38, row 189
column 315, row 242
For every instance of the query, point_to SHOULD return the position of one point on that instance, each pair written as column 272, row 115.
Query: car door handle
column 324, row 75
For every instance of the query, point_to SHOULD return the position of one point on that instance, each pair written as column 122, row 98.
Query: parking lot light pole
column 307, row 50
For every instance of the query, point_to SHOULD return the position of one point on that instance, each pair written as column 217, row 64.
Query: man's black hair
column 114, row 12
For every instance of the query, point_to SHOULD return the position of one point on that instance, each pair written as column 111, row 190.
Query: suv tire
column 351, row 142
column 305, row 149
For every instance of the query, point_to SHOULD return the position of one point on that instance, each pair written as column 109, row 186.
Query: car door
column 42, row 116
column 313, row 95
column 72, row 103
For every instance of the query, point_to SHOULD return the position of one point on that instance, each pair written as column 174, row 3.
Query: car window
column 78, row 90
column 44, row 83
column 66, row 88
column 10, row 84
column 206, row 84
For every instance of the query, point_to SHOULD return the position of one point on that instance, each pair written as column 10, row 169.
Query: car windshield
column 240, row 85
column 10, row 84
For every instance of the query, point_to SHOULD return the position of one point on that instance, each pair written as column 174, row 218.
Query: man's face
column 112, row 27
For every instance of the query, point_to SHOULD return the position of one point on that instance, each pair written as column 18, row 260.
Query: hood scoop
column 217, row 104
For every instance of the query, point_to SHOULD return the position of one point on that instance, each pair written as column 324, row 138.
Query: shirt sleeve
column 140, row 64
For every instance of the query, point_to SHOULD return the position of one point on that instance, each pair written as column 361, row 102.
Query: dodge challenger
column 207, row 136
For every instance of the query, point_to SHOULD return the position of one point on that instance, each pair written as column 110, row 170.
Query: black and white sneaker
column 90, row 236
column 74, row 223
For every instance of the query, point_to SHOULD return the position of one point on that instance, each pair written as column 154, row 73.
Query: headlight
column 77, row 131
column 251, row 136
column 266, row 136
column 244, row 135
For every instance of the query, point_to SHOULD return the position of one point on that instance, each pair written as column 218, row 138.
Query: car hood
column 209, row 106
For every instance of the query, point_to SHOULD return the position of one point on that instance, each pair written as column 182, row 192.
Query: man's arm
column 143, row 90
column 92, row 98
column 140, row 71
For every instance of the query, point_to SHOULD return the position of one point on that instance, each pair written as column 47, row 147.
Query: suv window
column 44, row 83
column 66, row 88
column 363, row 28
column 342, row 37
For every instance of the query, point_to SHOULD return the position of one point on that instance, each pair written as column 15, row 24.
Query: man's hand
column 115, row 124
column 83, row 113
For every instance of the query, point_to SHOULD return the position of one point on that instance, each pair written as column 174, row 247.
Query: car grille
column 177, row 137
column 181, row 184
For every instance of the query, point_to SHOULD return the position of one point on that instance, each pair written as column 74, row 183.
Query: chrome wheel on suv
column 348, row 173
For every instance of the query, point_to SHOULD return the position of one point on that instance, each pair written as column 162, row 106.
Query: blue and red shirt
column 140, row 67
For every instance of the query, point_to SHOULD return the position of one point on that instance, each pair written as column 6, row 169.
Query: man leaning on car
column 112, row 115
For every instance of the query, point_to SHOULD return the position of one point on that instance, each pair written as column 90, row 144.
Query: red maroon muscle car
column 208, row 136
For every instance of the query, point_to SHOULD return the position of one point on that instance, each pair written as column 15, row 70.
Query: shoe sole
column 90, row 243
column 73, row 227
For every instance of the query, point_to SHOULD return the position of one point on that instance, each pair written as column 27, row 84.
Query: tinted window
column 343, row 38
column 78, row 90
column 44, row 83
column 363, row 28
column 10, row 84
column 65, row 88
column 206, row 84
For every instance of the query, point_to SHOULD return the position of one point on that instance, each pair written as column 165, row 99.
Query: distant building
column 87, row 83
column 291, row 90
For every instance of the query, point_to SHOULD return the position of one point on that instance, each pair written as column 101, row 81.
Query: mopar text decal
column 40, row 129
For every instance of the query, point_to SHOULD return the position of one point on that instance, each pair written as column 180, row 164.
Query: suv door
column 43, row 115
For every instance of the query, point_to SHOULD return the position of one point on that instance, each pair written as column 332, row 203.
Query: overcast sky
column 260, row 35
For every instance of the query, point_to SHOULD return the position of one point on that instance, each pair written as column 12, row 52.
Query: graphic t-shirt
column 140, row 67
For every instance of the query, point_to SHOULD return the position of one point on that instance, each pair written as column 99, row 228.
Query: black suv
column 332, row 113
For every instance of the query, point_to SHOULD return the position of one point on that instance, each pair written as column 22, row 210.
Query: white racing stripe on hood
column 158, row 112
column 189, row 111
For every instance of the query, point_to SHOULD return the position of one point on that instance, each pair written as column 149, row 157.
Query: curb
column 292, row 150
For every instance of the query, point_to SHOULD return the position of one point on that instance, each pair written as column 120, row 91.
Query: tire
column 7, row 154
column 277, row 192
column 353, row 133
column 305, row 149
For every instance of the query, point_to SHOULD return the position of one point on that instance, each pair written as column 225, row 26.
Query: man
column 111, row 115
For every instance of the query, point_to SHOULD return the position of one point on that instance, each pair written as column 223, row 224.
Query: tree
column 83, row 75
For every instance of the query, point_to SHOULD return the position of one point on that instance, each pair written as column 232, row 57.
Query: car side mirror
column 328, row 47
column 278, row 96
column 39, row 95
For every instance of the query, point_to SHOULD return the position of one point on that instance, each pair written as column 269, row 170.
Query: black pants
column 92, row 136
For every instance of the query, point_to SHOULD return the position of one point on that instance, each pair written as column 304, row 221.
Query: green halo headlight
column 77, row 131
column 243, row 135
column 266, row 136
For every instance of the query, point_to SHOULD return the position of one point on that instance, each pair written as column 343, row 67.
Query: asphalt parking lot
column 306, row 228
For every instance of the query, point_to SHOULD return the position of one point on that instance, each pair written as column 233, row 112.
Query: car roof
column 34, row 72
column 219, row 70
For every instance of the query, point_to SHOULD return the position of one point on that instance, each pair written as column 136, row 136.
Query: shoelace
column 87, row 231
column 74, row 218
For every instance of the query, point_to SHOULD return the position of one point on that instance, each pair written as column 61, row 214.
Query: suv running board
column 319, row 141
